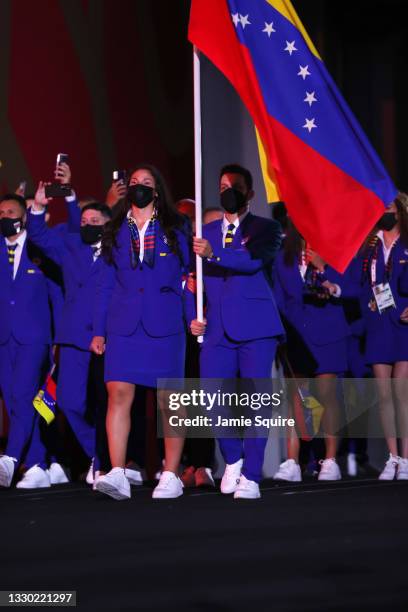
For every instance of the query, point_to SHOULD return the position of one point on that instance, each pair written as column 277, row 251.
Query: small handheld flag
column 46, row 398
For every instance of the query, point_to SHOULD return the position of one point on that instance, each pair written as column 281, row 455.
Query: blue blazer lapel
column 216, row 235
column 4, row 262
column 87, row 262
column 24, row 264
column 243, row 231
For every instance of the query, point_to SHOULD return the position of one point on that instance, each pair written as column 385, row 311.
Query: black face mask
column 91, row 233
column 387, row 222
column 232, row 200
column 10, row 227
column 140, row 195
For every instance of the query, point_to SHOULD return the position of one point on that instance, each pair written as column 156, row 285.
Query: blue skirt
column 311, row 359
column 141, row 359
column 388, row 343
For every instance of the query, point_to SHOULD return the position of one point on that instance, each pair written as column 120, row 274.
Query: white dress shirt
column 386, row 250
column 96, row 249
column 141, row 234
column 18, row 252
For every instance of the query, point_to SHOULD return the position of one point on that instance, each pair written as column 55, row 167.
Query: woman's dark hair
column 292, row 246
column 401, row 202
column 168, row 216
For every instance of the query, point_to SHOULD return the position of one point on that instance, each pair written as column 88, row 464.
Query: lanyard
column 388, row 265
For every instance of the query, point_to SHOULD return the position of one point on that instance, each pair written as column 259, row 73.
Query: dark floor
column 313, row 546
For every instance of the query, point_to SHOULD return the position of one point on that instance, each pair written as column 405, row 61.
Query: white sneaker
column 134, row 476
column 247, row 489
column 169, row 486
column 329, row 470
column 90, row 475
column 158, row 474
column 390, row 469
column 96, row 478
column 7, row 466
column 402, row 472
column 35, row 478
column 289, row 470
column 351, row 464
column 114, row 483
column 57, row 474
column 230, row 480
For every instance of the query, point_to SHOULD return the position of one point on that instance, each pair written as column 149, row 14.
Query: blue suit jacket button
column 141, row 289
column 12, row 302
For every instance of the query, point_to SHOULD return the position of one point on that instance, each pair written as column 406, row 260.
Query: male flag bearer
column 243, row 324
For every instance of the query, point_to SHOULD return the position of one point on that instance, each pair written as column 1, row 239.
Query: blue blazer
column 237, row 282
column 319, row 322
column 154, row 296
column 398, row 283
column 26, row 302
column 80, row 274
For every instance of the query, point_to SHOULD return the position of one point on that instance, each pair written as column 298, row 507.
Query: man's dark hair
column 17, row 198
column 102, row 208
column 237, row 169
column 213, row 209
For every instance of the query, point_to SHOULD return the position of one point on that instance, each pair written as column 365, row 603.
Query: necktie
column 229, row 236
column 11, row 250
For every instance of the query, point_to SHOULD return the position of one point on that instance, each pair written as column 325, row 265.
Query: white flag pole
column 198, row 182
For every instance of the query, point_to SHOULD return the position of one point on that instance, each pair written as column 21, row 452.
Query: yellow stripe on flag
column 271, row 186
column 317, row 411
column 42, row 408
column 286, row 9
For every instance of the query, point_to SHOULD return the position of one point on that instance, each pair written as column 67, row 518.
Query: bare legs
column 327, row 396
column 118, row 421
column 120, row 401
column 392, row 385
column 173, row 446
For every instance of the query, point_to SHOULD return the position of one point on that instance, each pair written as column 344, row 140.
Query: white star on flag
column 269, row 29
column 310, row 124
column 310, row 98
column 303, row 72
column 235, row 18
column 244, row 21
column 290, row 47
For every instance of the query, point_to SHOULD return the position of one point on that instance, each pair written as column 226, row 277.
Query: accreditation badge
column 383, row 297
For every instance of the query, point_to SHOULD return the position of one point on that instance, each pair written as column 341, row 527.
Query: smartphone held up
column 58, row 189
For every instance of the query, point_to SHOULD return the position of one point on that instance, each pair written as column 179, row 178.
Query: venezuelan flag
column 332, row 181
column 46, row 398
